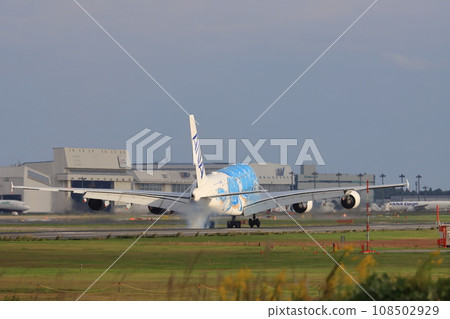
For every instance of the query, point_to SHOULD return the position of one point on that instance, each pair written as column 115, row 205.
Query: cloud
column 406, row 62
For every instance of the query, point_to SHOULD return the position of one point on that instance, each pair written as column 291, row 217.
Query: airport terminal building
column 109, row 168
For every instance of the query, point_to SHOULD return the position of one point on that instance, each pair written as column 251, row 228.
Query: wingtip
column 12, row 187
column 407, row 184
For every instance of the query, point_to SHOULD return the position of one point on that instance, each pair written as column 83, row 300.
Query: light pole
column 292, row 180
column 315, row 176
column 401, row 178
column 425, row 188
column 382, row 183
column 360, row 178
column 418, row 186
column 339, row 179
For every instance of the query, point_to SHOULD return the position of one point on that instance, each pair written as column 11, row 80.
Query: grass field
column 103, row 220
column 202, row 267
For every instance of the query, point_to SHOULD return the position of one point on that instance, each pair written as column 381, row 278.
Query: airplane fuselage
column 13, row 206
column 232, row 179
column 418, row 205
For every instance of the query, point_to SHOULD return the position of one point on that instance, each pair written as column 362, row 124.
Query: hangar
column 71, row 167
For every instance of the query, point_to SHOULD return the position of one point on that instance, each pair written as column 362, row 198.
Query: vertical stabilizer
column 197, row 153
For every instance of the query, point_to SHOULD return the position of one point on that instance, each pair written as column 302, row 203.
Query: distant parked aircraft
column 13, row 206
column 418, row 205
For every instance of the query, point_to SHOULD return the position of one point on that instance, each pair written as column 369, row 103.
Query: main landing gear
column 233, row 223
column 254, row 222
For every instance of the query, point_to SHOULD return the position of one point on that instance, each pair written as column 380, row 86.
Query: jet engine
column 156, row 210
column 95, row 204
column 351, row 199
column 302, row 207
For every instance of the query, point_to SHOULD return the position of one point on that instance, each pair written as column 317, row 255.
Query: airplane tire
column 251, row 223
column 258, row 223
column 234, row 224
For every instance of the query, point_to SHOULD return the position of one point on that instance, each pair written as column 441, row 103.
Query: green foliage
column 339, row 286
column 384, row 287
column 420, row 286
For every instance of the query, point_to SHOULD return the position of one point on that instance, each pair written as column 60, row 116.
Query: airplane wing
column 268, row 200
column 172, row 201
column 258, row 201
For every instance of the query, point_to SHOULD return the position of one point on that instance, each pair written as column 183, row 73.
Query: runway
column 91, row 232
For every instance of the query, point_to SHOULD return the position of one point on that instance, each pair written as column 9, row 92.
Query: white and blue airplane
column 232, row 191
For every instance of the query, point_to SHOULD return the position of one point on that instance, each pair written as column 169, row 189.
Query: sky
column 377, row 101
